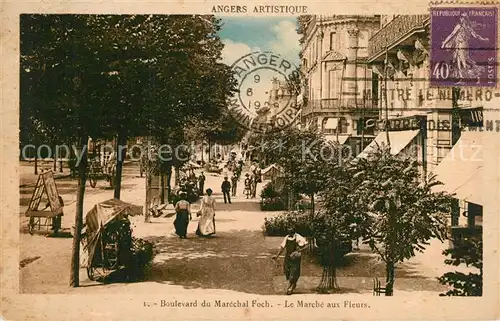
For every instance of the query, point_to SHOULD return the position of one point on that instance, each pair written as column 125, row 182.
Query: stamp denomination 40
column 464, row 46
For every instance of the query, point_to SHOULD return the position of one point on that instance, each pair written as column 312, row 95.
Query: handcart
column 107, row 237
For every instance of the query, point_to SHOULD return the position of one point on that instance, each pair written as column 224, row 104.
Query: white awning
column 333, row 138
column 462, row 170
column 399, row 140
column 331, row 123
column 270, row 167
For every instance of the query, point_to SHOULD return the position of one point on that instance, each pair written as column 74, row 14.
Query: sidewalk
column 49, row 272
column 236, row 262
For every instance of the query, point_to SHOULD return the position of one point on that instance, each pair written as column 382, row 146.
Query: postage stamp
column 267, row 95
column 464, row 46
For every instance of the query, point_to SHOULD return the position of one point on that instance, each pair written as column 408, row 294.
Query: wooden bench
column 377, row 289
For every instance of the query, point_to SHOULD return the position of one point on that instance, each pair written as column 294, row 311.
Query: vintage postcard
column 203, row 160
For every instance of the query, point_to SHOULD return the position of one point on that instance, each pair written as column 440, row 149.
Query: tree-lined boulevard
column 237, row 262
column 158, row 80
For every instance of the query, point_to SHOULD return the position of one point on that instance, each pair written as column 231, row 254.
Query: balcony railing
column 395, row 31
column 334, row 105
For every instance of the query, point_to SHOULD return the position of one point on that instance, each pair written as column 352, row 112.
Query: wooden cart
column 106, row 171
column 48, row 219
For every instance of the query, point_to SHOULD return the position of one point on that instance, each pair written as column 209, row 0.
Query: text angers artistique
column 259, row 9
column 288, row 304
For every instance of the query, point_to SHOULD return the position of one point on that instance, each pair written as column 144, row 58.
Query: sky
column 242, row 35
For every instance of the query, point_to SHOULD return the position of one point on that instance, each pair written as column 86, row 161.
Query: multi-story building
column 422, row 120
column 336, row 74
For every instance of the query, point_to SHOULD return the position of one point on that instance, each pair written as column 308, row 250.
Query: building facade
column 334, row 53
column 423, row 120
column 399, row 58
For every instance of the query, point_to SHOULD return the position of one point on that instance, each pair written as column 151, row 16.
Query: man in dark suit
column 226, row 190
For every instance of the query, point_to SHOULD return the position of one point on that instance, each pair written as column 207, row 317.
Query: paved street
column 237, row 259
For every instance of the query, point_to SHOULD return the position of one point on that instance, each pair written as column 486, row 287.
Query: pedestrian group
column 206, row 214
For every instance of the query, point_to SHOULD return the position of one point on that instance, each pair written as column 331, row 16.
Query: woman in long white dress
column 206, row 223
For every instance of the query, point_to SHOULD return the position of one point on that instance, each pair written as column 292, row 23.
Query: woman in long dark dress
column 183, row 216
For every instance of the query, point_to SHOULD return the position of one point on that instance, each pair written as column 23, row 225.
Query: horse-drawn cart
column 99, row 170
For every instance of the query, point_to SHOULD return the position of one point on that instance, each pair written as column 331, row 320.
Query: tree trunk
column 120, row 157
column 202, row 147
column 177, row 175
column 329, row 277
column 148, row 196
column 169, row 182
column 312, row 204
column 75, row 256
column 147, row 176
column 55, row 158
column 389, row 278
column 162, row 185
column 36, row 161
column 209, row 150
column 61, row 163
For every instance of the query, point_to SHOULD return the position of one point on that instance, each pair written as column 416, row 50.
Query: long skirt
column 291, row 267
column 181, row 222
column 206, row 225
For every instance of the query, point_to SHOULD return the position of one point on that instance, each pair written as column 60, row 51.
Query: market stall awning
column 104, row 212
column 399, row 140
column 461, row 171
column 333, row 138
column 271, row 167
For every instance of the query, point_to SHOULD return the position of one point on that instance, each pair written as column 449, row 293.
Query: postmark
column 464, row 46
column 266, row 99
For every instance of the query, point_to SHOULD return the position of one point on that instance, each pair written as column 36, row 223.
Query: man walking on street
column 293, row 244
column 201, row 182
column 234, row 183
column 226, row 189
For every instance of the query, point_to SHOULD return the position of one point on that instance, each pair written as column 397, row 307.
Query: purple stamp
column 464, row 46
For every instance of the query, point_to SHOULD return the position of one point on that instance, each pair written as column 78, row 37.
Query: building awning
column 461, row 171
column 333, row 138
column 331, row 123
column 399, row 140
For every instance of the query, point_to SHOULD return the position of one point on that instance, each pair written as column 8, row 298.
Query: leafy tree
column 61, row 87
column 105, row 76
column 400, row 212
column 169, row 66
column 305, row 157
column 302, row 23
column 337, row 222
column 470, row 253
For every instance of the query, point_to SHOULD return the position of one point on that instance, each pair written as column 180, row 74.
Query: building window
column 343, row 125
column 333, row 84
column 332, row 39
column 375, row 84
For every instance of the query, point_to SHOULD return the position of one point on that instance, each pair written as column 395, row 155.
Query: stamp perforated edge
column 464, row 3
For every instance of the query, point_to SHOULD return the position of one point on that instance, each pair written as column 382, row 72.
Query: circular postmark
column 267, row 91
